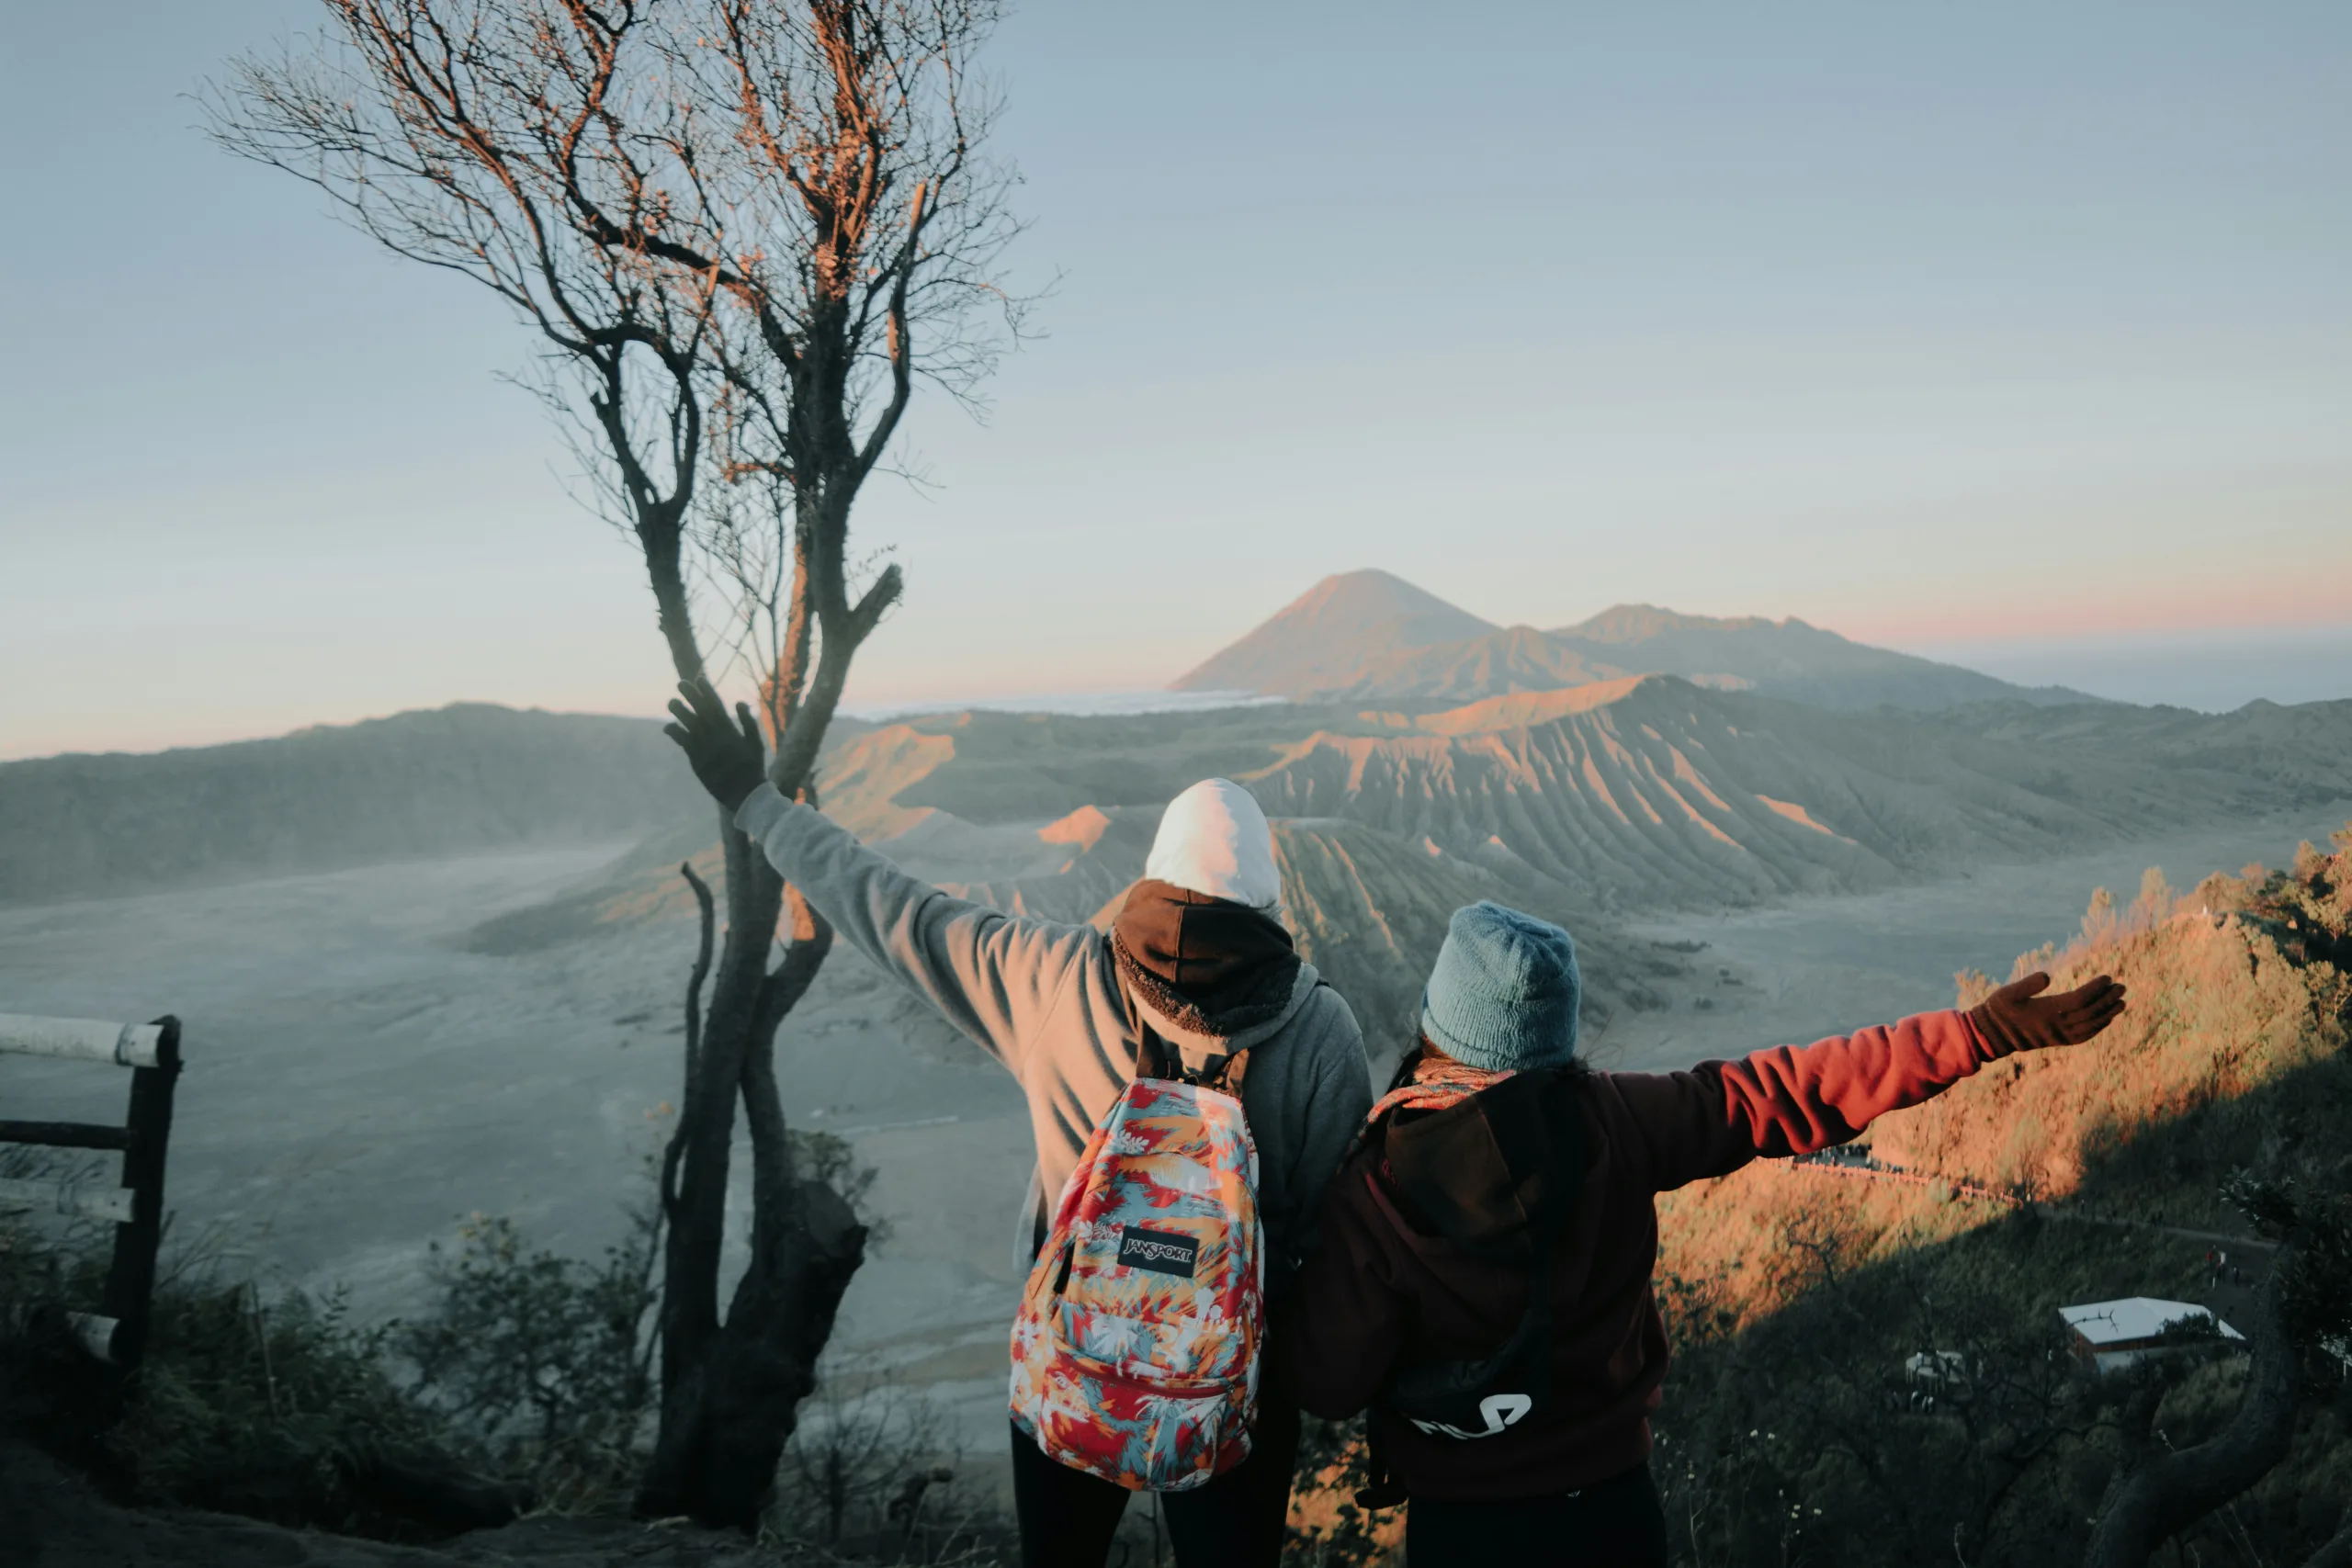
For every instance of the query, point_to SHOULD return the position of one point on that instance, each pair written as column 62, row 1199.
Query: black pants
column 1617, row 1522
column 1067, row 1517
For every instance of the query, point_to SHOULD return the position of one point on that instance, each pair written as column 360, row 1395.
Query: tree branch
column 675, row 1149
column 2173, row 1490
column 773, row 1211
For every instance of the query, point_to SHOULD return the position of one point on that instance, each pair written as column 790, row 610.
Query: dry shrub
column 1745, row 1234
column 543, row 1363
column 867, row 1472
column 247, row 1401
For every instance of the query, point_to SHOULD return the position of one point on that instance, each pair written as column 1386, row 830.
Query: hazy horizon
column 2207, row 671
column 2022, row 333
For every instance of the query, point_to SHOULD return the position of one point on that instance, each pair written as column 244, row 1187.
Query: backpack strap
column 1227, row 1071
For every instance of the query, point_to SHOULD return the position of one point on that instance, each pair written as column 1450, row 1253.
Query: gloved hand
column 729, row 757
column 2018, row 1017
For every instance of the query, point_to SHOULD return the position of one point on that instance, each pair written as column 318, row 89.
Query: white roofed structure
column 2111, row 1335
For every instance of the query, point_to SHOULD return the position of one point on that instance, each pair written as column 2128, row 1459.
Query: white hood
column 1214, row 839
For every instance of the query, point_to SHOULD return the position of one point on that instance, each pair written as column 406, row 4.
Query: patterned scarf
column 1436, row 1083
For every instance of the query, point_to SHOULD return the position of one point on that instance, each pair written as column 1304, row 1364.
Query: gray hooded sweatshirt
column 1044, row 999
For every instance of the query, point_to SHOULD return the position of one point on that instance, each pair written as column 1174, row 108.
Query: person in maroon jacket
column 1482, row 1278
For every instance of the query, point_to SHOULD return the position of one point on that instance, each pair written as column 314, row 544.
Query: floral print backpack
column 1134, row 1353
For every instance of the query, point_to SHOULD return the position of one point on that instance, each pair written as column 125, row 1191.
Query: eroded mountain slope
column 1031, row 768
column 1367, row 906
column 1516, row 659
column 1589, row 805
column 1369, row 911
column 1653, row 792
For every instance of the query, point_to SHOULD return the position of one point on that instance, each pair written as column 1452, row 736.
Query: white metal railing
column 83, row 1039
column 117, row 1331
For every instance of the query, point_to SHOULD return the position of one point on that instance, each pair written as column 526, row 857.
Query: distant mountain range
column 1369, row 637
column 469, row 777
column 1595, row 803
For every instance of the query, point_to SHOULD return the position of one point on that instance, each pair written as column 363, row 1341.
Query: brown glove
column 729, row 758
column 2018, row 1017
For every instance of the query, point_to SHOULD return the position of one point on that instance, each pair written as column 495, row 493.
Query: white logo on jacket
column 1500, row 1409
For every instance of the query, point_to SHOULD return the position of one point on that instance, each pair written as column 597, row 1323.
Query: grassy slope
column 1797, row 1294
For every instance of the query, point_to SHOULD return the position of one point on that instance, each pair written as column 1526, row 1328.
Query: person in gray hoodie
column 1197, row 961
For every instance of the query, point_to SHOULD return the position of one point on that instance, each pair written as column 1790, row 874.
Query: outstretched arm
column 1716, row 1117
column 992, row 975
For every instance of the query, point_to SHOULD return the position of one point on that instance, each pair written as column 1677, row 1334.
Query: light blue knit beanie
column 1504, row 992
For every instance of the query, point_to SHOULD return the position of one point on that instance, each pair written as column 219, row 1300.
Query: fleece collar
column 1198, row 1050
column 1206, row 966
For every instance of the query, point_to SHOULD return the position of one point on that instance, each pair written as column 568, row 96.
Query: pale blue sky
column 1946, row 327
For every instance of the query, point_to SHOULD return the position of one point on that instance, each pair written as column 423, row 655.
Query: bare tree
column 741, row 231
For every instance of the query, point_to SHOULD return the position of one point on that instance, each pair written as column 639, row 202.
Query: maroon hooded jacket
column 1379, row 1287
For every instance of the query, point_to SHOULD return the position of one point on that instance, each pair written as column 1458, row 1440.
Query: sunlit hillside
column 2219, row 1014
column 1797, row 1424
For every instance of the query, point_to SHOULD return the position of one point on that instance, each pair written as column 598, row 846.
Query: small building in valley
column 2112, row 1336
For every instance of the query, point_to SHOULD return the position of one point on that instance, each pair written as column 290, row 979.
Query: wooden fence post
column 130, row 1282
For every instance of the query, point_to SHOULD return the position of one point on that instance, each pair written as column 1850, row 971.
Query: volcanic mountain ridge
column 1371, row 636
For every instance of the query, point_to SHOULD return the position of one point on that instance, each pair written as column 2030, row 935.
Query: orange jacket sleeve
column 1791, row 1099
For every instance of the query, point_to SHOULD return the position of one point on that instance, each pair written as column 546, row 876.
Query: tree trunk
column 2171, row 1491
column 731, row 1388
column 763, row 1362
